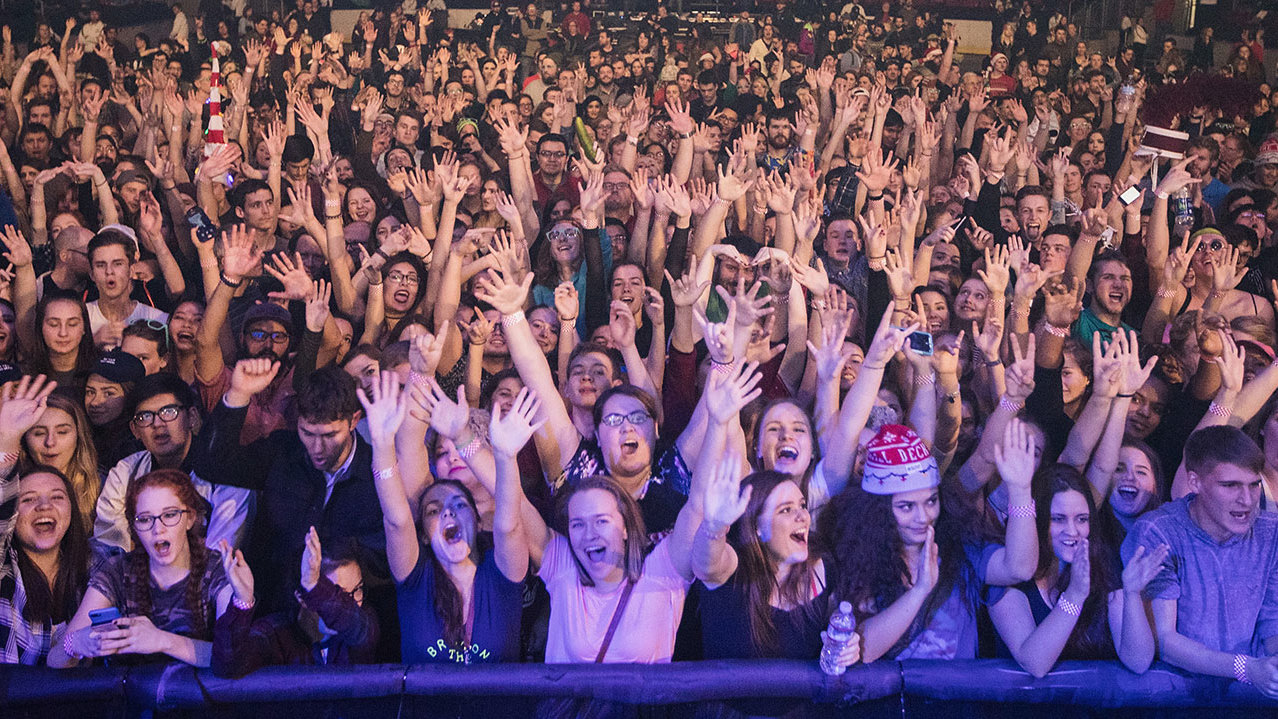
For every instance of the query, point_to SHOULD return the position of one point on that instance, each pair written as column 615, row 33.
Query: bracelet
column 1053, row 330
column 472, row 447
column 245, row 606
column 925, row 380
column 1240, row 669
column 417, row 379
column 994, row 363
column 226, row 281
column 873, row 366
column 1010, row 405
column 631, row 139
column 327, row 216
column 874, row 198
column 8, row 458
column 1161, row 195
column 1216, row 410
column 564, row 322
column 1166, row 293
column 68, row 648
column 385, row 472
column 380, row 251
column 712, row 534
column 1069, row 607
column 511, row 320
column 1025, row 511
column 1129, row 395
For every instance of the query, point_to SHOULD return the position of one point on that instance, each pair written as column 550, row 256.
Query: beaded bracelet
column 512, row 320
column 1069, row 607
column 243, row 606
column 1010, row 405
column 1216, row 410
column 472, row 447
column 68, row 648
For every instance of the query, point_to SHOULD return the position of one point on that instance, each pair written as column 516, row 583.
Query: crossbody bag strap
column 616, row 619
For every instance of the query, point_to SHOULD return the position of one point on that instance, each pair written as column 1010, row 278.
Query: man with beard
column 164, row 418
column 1111, row 281
column 779, row 150
column 318, row 475
column 619, row 202
column 551, row 177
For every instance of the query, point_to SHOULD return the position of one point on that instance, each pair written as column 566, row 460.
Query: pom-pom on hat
column 896, row 460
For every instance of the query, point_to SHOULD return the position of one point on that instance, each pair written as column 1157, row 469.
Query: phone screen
column 104, row 616
column 1129, row 195
column 921, row 343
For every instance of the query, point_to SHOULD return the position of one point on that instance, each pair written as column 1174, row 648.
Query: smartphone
column 98, row 617
column 200, row 222
column 921, row 343
column 1129, row 195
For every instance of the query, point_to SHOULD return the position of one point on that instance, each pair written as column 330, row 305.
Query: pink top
column 580, row 615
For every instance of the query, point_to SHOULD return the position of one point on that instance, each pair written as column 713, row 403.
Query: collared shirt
column 338, row 475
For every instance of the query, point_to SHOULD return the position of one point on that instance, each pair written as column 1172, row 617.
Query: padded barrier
column 1093, row 685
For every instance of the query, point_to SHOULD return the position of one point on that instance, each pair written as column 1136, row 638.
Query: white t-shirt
column 140, row 312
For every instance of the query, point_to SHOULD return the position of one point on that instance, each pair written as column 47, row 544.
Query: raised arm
column 1015, row 458
column 518, row 530
column 385, row 411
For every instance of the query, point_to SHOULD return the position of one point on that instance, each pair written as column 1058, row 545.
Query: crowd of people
column 530, row 341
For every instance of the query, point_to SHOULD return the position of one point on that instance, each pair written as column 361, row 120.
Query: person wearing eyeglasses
column 552, row 180
column 163, row 416
column 168, row 588
column 331, row 625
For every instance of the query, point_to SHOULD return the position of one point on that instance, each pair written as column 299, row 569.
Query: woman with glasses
column 580, row 254
column 168, row 590
column 403, row 285
column 44, row 541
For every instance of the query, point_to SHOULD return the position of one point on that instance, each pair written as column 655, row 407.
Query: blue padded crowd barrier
column 1091, row 685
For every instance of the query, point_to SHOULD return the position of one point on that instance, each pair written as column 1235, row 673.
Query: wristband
column 417, row 379
column 511, row 320
column 874, row 198
column 713, row 534
column 1166, row 293
column 1161, row 195
column 380, row 251
column 8, row 458
column 1026, row 511
column 565, row 322
column 632, row 140
column 1129, row 395
column 993, row 363
column 1216, row 410
column 925, row 380
column 1240, row 669
column 472, row 447
column 1069, row 607
column 68, row 648
column 245, row 606
column 327, row 216
column 1053, row 330
column 385, row 472
column 1010, row 405
column 226, row 281
column 873, row 366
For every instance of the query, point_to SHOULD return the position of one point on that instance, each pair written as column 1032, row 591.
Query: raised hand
column 241, row 256
column 1107, row 365
column 1020, row 373
column 21, row 404
column 317, row 305
column 510, row 433
column 887, row 341
column 448, row 417
column 725, row 500
column 250, row 377
column 997, row 271
column 830, row 357
column 727, row 393
column 312, row 556
column 19, row 250
column 1134, row 375
column 292, row 274
column 506, row 296
column 685, row 291
column 813, row 279
column 1142, row 567
column 425, row 350
column 1080, row 574
column 385, row 410
column 1177, row 265
column 1014, row 455
column 1232, row 361
column 927, row 572
column 237, row 572
column 1063, row 302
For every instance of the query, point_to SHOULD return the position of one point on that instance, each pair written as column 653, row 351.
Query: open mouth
column 1240, row 516
column 630, row 446
column 162, row 548
column 1071, row 543
column 800, row 537
column 595, row 553
column 402, row 296
column 1117, row 297
column 45, row 525
column 184, row 336
column 1128, row 493
column 788, row 452
column 452, row 533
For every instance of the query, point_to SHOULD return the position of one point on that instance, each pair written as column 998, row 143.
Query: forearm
column 1087, row 431
column 1135, row 643
column 881, row 632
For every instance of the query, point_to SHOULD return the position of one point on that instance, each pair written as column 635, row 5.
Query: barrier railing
column 1091, row 685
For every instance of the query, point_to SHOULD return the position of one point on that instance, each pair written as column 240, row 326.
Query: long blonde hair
column 82, row 469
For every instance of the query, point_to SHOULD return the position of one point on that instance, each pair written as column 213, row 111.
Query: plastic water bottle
column 842, row 625
column 1183, row 209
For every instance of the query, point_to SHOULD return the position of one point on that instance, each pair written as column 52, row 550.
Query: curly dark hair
column 865, row 549
column 138, row 562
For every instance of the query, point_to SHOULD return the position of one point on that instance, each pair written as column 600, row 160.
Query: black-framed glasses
column 636, row 418
column 400, row 278
column 167, row 413
column 169, row 518
column 275, row 337
column 553, row 154
column 357, row 593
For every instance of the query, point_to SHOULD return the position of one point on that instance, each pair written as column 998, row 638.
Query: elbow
column 1137, row 665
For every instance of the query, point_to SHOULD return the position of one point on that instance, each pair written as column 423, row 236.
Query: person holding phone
column 168, row 589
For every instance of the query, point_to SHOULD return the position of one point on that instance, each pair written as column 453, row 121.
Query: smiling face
column 1113, row 287
column 1069, row 523
column 164, row 545
column 565, row 242
column 1135, row 484
column 597, row 534
column 400, row 287
column 783, row 524
column 628, row 286
column 915, row 512
column 785, row 440
column 184, row 323
column 1034, row 212
column 449, row 523
column 627, row 447
column 52, row 439
column 44, row 512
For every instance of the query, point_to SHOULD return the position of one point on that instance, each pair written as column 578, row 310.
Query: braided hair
column 137, row 578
